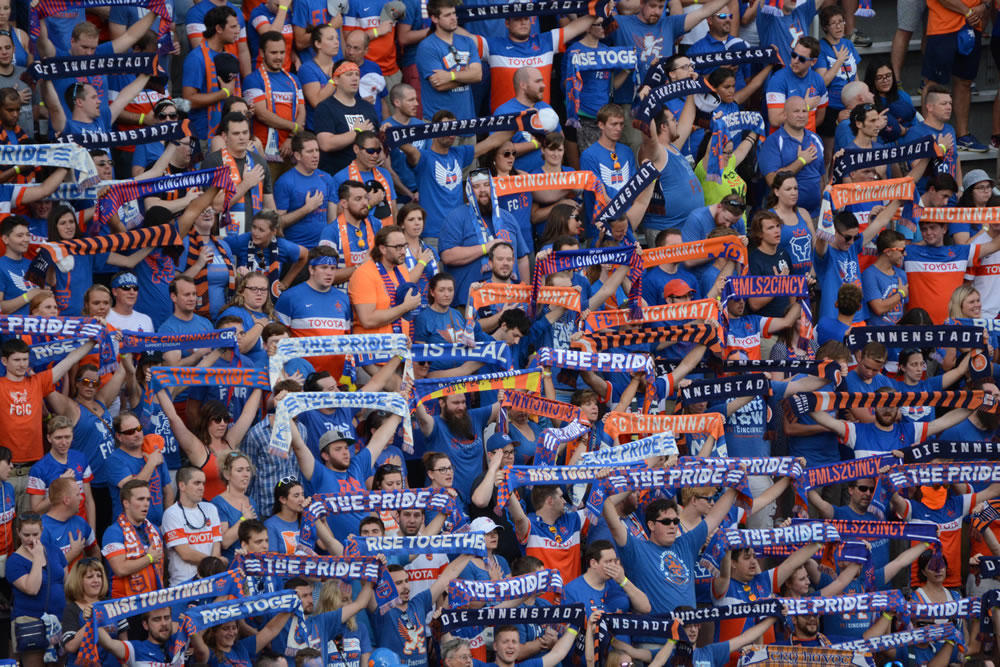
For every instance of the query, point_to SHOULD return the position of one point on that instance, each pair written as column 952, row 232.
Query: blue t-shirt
column 655, row 279
column 846, row 72
column 121, row 465
column 877, row 285
column 463, row 231
column 242, row 653
column 216, row 274
column 290, row 191
column 329, row 628
column 798, row 243
column 466, row 455
column 948, row 164
column 880, row 547
column 783, row 32
column 239, row 250
column 611, row 598
column 399, row 164
column 230, row 516
column 432, row 54
column 12, row 281
column 155, row 274
column 58, row 533
column 780, row 149
column 649, row 41
column 439, row 180
column 402, row 630
column 665, row 574
column 93, row 437
column 830, row 328
column 204, row 121
column 835, row 268
column 342, row 482
column 71, row 286
column 596, row 89
column 282, row 536
column 99, row 82
column 258, row 355
column 50, row 597
column 681, row 188
column 532, row 161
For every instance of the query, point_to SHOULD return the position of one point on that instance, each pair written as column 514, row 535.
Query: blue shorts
column 942, row 59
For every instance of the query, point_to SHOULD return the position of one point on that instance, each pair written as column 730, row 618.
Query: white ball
column 546, row 119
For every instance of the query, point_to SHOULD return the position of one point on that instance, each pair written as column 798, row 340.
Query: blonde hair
column 74, row 580
column 331, row 599
column 689, row 492
column 232, row 457
column 957, row 297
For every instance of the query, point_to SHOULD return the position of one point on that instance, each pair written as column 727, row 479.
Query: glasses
column 865, row 489
column 709, row 499
column 131, row 431
column 723, row 15
column 258, row 290
column 801, row 58
column 668, row 522
column 129, row 288
column 508, row 154
column 87, row 382
column 222, row 419
column 684, row 66
column 168, row 116
column 373, row 151
column 849, row 237
column 444, row 469
column 983, row 186
column 884, row 77
column 288, row 481
column 395, row 246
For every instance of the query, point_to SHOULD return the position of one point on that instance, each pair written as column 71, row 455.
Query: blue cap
column 498, row 441
column 124, row 279
column 383, row 657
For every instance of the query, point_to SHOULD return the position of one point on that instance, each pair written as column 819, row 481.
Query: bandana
column 928, row 633
column 525, row 121
column 398, row 545
column 198, row 619
column 428, row 389
column 939, row 335
column 644, row 110
column 193, row 376
column 541, row 407
column 952, row 451
column 109, row 612
column 833, row 400
column 859, row 158
column 564, row 180
column 139, row 342
column 660, row 444
column 626, row 423
column 380, row 346
column 730, row 247
column 42, row 9
column 295, row 404
column 702, row 309
column 725, row 388
column 728, row 128
column 494, row 353
column 600, row 8
column 567, row 260
column 629, row 192
column 699, row 334
column 75, row 66
column 316, row 567
column 890, row 189
column 493, row 616
column 549, row 441
column 117, row 195
column 935, row 474
column 462, row 592
column 876, row 530
column 603, row 59
column 74, row 158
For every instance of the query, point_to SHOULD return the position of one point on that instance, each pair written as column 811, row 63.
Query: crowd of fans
column 112, row 485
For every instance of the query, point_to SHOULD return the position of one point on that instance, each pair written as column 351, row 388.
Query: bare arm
column 618, row 530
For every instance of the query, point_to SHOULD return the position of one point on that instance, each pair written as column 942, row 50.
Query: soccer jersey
column 935, row 272
column 433, row 53
column 780, row 148
column 48, row 470
column 762, row 586
column 197, row 528
column 309, row 312
column 439, row 180
column 424, row 570
column 342, row 482
column 290, row 192
column 365, row 15
column 985, row 277
column 146, row 654
column 744, row 334
column 649, row 41
column 282, row 95
column 869, row 440
column 121, row 464
column 784, row 84
column 507, row 56
column 784, row 31
column 531, row 161
column 558, row 545
column 877, row 285
column 949, row 519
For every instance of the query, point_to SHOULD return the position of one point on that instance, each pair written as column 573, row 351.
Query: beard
column 460, row 425
column 885, row 420
column 499, row 275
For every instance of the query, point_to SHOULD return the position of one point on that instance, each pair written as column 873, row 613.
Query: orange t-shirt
column 941, row 20
column 21, row 412
column 366, row 286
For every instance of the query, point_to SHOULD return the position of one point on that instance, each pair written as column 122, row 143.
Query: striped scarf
column 514, row 477
column 702, row 309
column 461, row 592
column 805, row 403
column 644, row 110
column 564, row 180
column 67, row 156
column 938, row 632
column 934, row 474
column 196, row 245
column 603, row 59
column 699, row 334
column 798, row 533
column 728, row 128
column 548, row 442
column 729, row 247
column 571, row 260
column 381, row 347
column 428, row 389
column 117, row 195
column 660, row 444
column 317, row 567
column 42, row 9
column 619, row 205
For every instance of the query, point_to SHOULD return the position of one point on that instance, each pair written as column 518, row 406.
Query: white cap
column 371, row 84
column 483, row 524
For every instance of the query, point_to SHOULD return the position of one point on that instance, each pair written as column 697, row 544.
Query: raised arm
column 449, row 573
column 189, row 442
column 618, row 530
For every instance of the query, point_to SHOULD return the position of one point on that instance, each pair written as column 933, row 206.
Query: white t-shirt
column 134, row 322
column 195, row 527
column 985, row 277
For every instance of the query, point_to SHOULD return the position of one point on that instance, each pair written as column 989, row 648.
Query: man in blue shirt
column 303, row 195
column 507, row 645
column 609, row 159
column 529, row 93
column 799, row 79
column 604, row 586
column 448, row 64
column 858, row 508
column 458, row 432
column 679, row 186
column 184, row 320
column 784, row 32
column 794, row 148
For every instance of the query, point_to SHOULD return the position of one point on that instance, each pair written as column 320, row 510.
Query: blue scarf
column 725, row 388
column 549, row 440
column 72, row 66
column 660, row 444
column 523, row 121
column 573, row 614
column 801, row 533
column 844, row 604
column 657, row 74
column 317, row 567
column 746, row 287
column 138, row 190
column 836, row 473
column 605, row 58
column 938, row 335
column 72, row 330
column 989, row 566
column 643, row 111
column 932, row 474
column 952, row 451
column 494, row 353
column 644, row 176
column 728, row 128
column 571, row 260
column 139, row 342
column 461, row 592
column 117, row 138
column 447, row 543
column 858, row 158
column 938, row 632
column 876, row 530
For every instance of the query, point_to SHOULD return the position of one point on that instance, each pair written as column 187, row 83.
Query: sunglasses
column 131, row 431
column 801, row 58
column 168, row 116
column 288, row 481
column 849, row 237
column 668, row 522
column 508, row 154
column 723, row 15
column 373, row 151
column 87, row 382
column 222, row 419
column 706, row 498
column 129, row 288
column 865, row 489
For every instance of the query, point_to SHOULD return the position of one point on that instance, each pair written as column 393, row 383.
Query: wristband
column 17, row 170
column 142, row 117
column 295, row 130
column 886, row 615
column 41, row 103
column 25, row 297
column 243, row 518
column 375, row 32
column 226, row 91
column 968, row 13
column 803, row 161
column 283, row 7
column 624, row 582
column 150, row 557
column 422, row 262
column 573, row 630
column 331, row 81
column 483, row 246
column 534, row 142
column 944, row 149
column 452, row 76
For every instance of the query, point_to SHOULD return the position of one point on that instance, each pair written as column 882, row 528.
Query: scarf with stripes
column 540, row 406
column 509, row 10
column 619, row 205
column 627, row 423
column 548, row 442
column 380, row 347
column 462, row 592
column 876, row 530
column 837, row 473
column 935, row 474
column 66, row 156
column 163, row 377
column 805, row 403
column 797, row 533
column 937, row 632
column 573, row 614
column 726, row 388
column 42, row 9
column 72, row 331
column 938, row 335
column 603, row 59
column 860, row 158
column 991, row 512
column 428, row 389
column 117, row 195
column 702, row 309
column 397, row 545
column 171, row 131
column 524, row 121
column 139, row 342
column 296, row 403
column 699, row 334
column 844, row 604
column 564, row 180
column 730, row 247
column 514, row 477
column 571, row 260
column 746, row 287
column 196, row 245
column 637, row 451
column 644, row 110
column 728, row 128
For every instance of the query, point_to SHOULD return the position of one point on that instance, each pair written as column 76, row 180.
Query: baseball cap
column 371, row 84
column 483, row 524
column 124, row 279
column 677, row 287
column 975, row 176
column 227, row 67
column 497, row 441
column 333, row 435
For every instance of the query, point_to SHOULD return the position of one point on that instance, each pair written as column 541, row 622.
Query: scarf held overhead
column 702, row 309
column 805, row 403
column 548, row 442
column 571, row 260
column 317, row 567
column 699, row 334
column 619, row 205
column 848, row 194
column 725, row 388
column 936, row 474
column 73, row 66
column 297, row 403
column 628, row 423
column 541, row 407
column 564, row 180
column 171, row 131
column 428, row 389
column 494, row 616
column 525, row 121
column 381, row 346
column 139, row 342
column 644, row 111
column 67, row 156
column 447, row 543
column 976, row 450
column 940, row 335
column 659, row 444
column 509, row 10
column 192, row 376
column 657, row 74
column 461, row 592
column 859, row 158
column 604, row 58
column 730, row 247
column 117, row 195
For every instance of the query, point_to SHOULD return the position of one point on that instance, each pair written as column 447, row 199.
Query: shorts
column 828, row 128
column 910, row 14
column 942, row 59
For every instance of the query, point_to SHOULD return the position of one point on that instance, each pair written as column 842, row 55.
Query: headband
column 324, row 260
column 346, row 67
